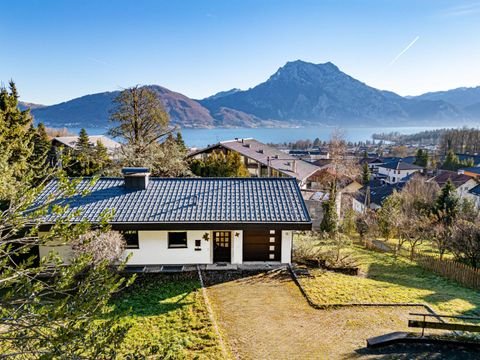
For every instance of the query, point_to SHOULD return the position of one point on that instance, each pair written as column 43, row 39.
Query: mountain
column 299, row 93
column 94, row 110
column 461, row 97
column 26, row 105
column 322, row 94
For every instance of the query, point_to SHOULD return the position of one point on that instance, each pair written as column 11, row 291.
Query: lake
column 204, row 137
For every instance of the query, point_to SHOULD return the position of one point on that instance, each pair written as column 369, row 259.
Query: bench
column 442, row 325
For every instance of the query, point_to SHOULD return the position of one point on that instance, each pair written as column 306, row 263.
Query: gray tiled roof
column 189, row 200
column 401, row 165
column 261, row 152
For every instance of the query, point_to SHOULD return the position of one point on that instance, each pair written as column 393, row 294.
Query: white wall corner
column 287, row 242
column 237, row 246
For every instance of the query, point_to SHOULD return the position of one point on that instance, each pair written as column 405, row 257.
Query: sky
column 59, row 50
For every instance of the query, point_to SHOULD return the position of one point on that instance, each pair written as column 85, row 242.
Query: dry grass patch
column 391, row 280
column 264, row 316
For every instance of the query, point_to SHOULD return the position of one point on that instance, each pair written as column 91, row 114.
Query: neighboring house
column 373, row 164
column 263, row 160
column 310, row 155
column 180, row 221
column 475, row 196
column 378, row 194
column 71, row 141
column 397, row 171
column 462, row 182
column 323, row 178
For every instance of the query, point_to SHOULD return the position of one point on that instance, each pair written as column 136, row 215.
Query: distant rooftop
column 71, row 141
column 400, row 165
column 261, row 153
column 456, row 178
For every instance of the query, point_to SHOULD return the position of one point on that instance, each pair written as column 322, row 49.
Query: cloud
column 404, row 50
column 462, row 10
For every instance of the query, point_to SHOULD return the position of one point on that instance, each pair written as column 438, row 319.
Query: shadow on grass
column 410, row 275
column 416, row 351
column 155, row 294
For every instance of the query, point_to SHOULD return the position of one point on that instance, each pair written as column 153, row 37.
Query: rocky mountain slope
column 299, row 93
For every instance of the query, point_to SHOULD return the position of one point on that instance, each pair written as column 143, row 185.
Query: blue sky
column 58, row 50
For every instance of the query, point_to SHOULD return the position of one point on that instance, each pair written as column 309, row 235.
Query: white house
column 182, row 221
column 397, row 171
column 463, row 183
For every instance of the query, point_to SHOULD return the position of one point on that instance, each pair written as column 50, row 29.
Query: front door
column 222, row 241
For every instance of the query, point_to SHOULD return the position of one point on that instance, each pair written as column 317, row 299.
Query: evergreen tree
column 329, row 222
column 217, row 164
column 447, row 204
column 16, row 145
column 451, row 161
column 421, row 158
column 181, row 143
column 101, row 160
column 41, row 146
column 365, row 174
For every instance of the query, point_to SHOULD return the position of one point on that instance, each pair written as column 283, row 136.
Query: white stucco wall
column 153, row 249
column 237, row 247
column 64, row 251
column 286, row 254
column 399, row 175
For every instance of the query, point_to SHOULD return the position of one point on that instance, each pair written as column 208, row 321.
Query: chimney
column 136, row 178
column 294, row 166
column 461, row 172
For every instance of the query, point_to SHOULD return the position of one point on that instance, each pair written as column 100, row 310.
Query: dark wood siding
column 262, row 245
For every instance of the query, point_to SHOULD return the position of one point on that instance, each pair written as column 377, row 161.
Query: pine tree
column 181, row 144
column 101, row 160
column 42, row 146
column 329, row 222
column 421, row 158
column 451, row 161
column 366, row 174
column 447, row 204
column 16, row 145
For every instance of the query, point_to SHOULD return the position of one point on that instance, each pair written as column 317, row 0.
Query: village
column 240, row 180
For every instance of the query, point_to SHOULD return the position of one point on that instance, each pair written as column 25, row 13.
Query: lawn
column 168, row 319
column 386, row 279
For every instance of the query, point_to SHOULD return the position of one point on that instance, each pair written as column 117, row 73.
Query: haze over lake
column 204, row 137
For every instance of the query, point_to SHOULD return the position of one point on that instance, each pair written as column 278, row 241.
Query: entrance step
column 222, row 266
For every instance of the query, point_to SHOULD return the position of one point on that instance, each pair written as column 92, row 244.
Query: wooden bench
column 442, row 325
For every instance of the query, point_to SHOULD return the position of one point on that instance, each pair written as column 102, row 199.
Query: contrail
column 404, row 51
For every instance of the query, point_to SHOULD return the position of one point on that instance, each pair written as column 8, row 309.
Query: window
column 131, row 238
column 177, row 240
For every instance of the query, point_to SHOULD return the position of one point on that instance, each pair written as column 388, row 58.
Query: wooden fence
column 463, row 274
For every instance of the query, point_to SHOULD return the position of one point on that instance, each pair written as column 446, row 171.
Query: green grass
column 387, row 279
column 168, row 319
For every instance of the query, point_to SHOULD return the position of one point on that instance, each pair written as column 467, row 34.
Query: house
column 71, row 141
column 462, row 182
column 376, row 197
column 263, row 160
column 397, row 171
column 475, row 196
column 310, row 155
column 180, row 221
column 373, row 163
